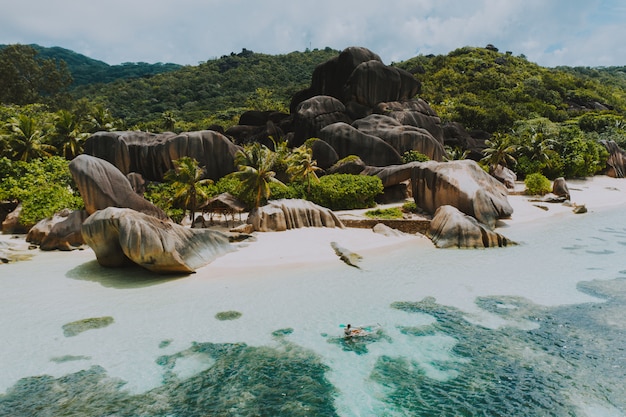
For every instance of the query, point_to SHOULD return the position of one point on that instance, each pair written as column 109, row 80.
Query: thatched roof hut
column 223, row 204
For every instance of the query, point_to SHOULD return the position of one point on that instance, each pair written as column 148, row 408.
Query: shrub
column 409, row 207
column 537, row 184
column 346, row 191
column 414, row 156
column 388, row 213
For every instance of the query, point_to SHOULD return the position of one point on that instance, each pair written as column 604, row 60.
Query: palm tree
column 255, row 163
column 499, row 151
column 69, row 134
column 186, row 178
column 302, row 166
column 27, row 139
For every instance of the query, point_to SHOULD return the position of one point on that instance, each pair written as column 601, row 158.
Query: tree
column 302, row 166
column 25, row 78
column 499, row 151
column 69, row 134
column 187, row 179
column 27, row 138
column 255, row 162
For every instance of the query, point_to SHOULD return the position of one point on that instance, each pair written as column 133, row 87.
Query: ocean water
column 537, row 329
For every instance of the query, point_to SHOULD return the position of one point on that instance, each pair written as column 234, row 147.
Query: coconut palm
column 69, row 134
column 302, row 166
column 255, row 162
column 27, row 138
column 499, row 151
column 187, row 179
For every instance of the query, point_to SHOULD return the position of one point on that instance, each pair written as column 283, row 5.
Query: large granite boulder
column 323, row 153
column 401, row 137
column 347, row 140
column 416, row 113
column 121, row 236
column 62, row 231
column 393, row 174
column 462, row 184
column 503, row 174
column 151, row 154
column 450, row 228
column 616, row 163
column 102, row 185
column 312, row 115
column 284, row 214
column 560, row 188
column 11, row 223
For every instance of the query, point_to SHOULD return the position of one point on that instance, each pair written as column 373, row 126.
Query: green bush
column 414, row 156
column 346, row 191
column 537, row 184
column 388, row 213
column 162, row 196
column 409, row 207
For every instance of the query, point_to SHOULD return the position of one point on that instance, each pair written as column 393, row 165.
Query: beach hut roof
column 223, row 202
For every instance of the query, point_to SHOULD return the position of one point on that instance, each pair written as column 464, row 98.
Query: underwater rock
column 451, row 228
column 76, row 327
column 284, row 214
column 349, row 257
column 121, row 236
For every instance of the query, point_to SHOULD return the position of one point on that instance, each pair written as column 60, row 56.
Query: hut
column 224, row 204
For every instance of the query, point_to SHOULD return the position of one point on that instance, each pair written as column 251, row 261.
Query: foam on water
column 534, row 329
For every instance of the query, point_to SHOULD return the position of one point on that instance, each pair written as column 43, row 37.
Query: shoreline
column 270, row 250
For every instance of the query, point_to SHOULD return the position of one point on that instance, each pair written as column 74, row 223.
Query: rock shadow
column 129, row 277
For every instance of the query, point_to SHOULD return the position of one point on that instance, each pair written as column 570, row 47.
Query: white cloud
column 557, row 32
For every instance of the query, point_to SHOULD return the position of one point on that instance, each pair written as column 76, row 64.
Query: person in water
column 348, row 330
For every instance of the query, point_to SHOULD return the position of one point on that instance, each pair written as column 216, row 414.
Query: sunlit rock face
column 450, row 228
column 284, row 214
column 61, row 231
column 462, row 184
column 102, row 185
column 122, row 236
column 152, row 154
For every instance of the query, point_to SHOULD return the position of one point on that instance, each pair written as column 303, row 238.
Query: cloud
column 557, row 32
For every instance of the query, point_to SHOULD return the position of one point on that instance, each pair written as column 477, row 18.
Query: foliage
column 499, row 151
column 27, row 78
column 187, row 180
column 162, row 196
column 487, row 90
column 414, row 156
column 302, row 167
column 345, row 191
column 43, row 187
column 387, row 213
column 255, row 163
column 537, row 184
column 409, row 207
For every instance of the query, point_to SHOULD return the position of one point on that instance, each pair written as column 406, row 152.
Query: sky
column 548, row 32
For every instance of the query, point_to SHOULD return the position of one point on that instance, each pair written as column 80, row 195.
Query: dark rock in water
column 450, row 228
column 581, row 209
column 347, row 140
column 401, row 137
column 76, row 327
column 121, row 236
column 462, row 184
column 280, row 215
column 102, row 185
column 560, row 188
column 347, row 256
column 151, row 154
column 61, row 231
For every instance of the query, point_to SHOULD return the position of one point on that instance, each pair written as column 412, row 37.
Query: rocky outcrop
column 415, row 113
column 401, row 137
column 462, row 184
column 61, row 231
column 346, row 140
column 312, row 115
column 560, row 188
column 121, row 236
column 284, row 214
column 616, row 163
column 102, row 185
column 450, row 228
column 393, row 174
column 504, row 175
column 11, row 223
column 151, row 154
column 323, row 153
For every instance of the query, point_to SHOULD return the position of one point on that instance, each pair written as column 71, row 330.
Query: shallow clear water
column 532, row 330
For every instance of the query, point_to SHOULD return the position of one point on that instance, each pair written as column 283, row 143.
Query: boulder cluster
column 356, row 107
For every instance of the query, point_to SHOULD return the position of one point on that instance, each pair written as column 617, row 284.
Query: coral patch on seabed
column 76, row 327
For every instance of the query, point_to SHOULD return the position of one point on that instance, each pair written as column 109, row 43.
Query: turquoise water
column 532, row 330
